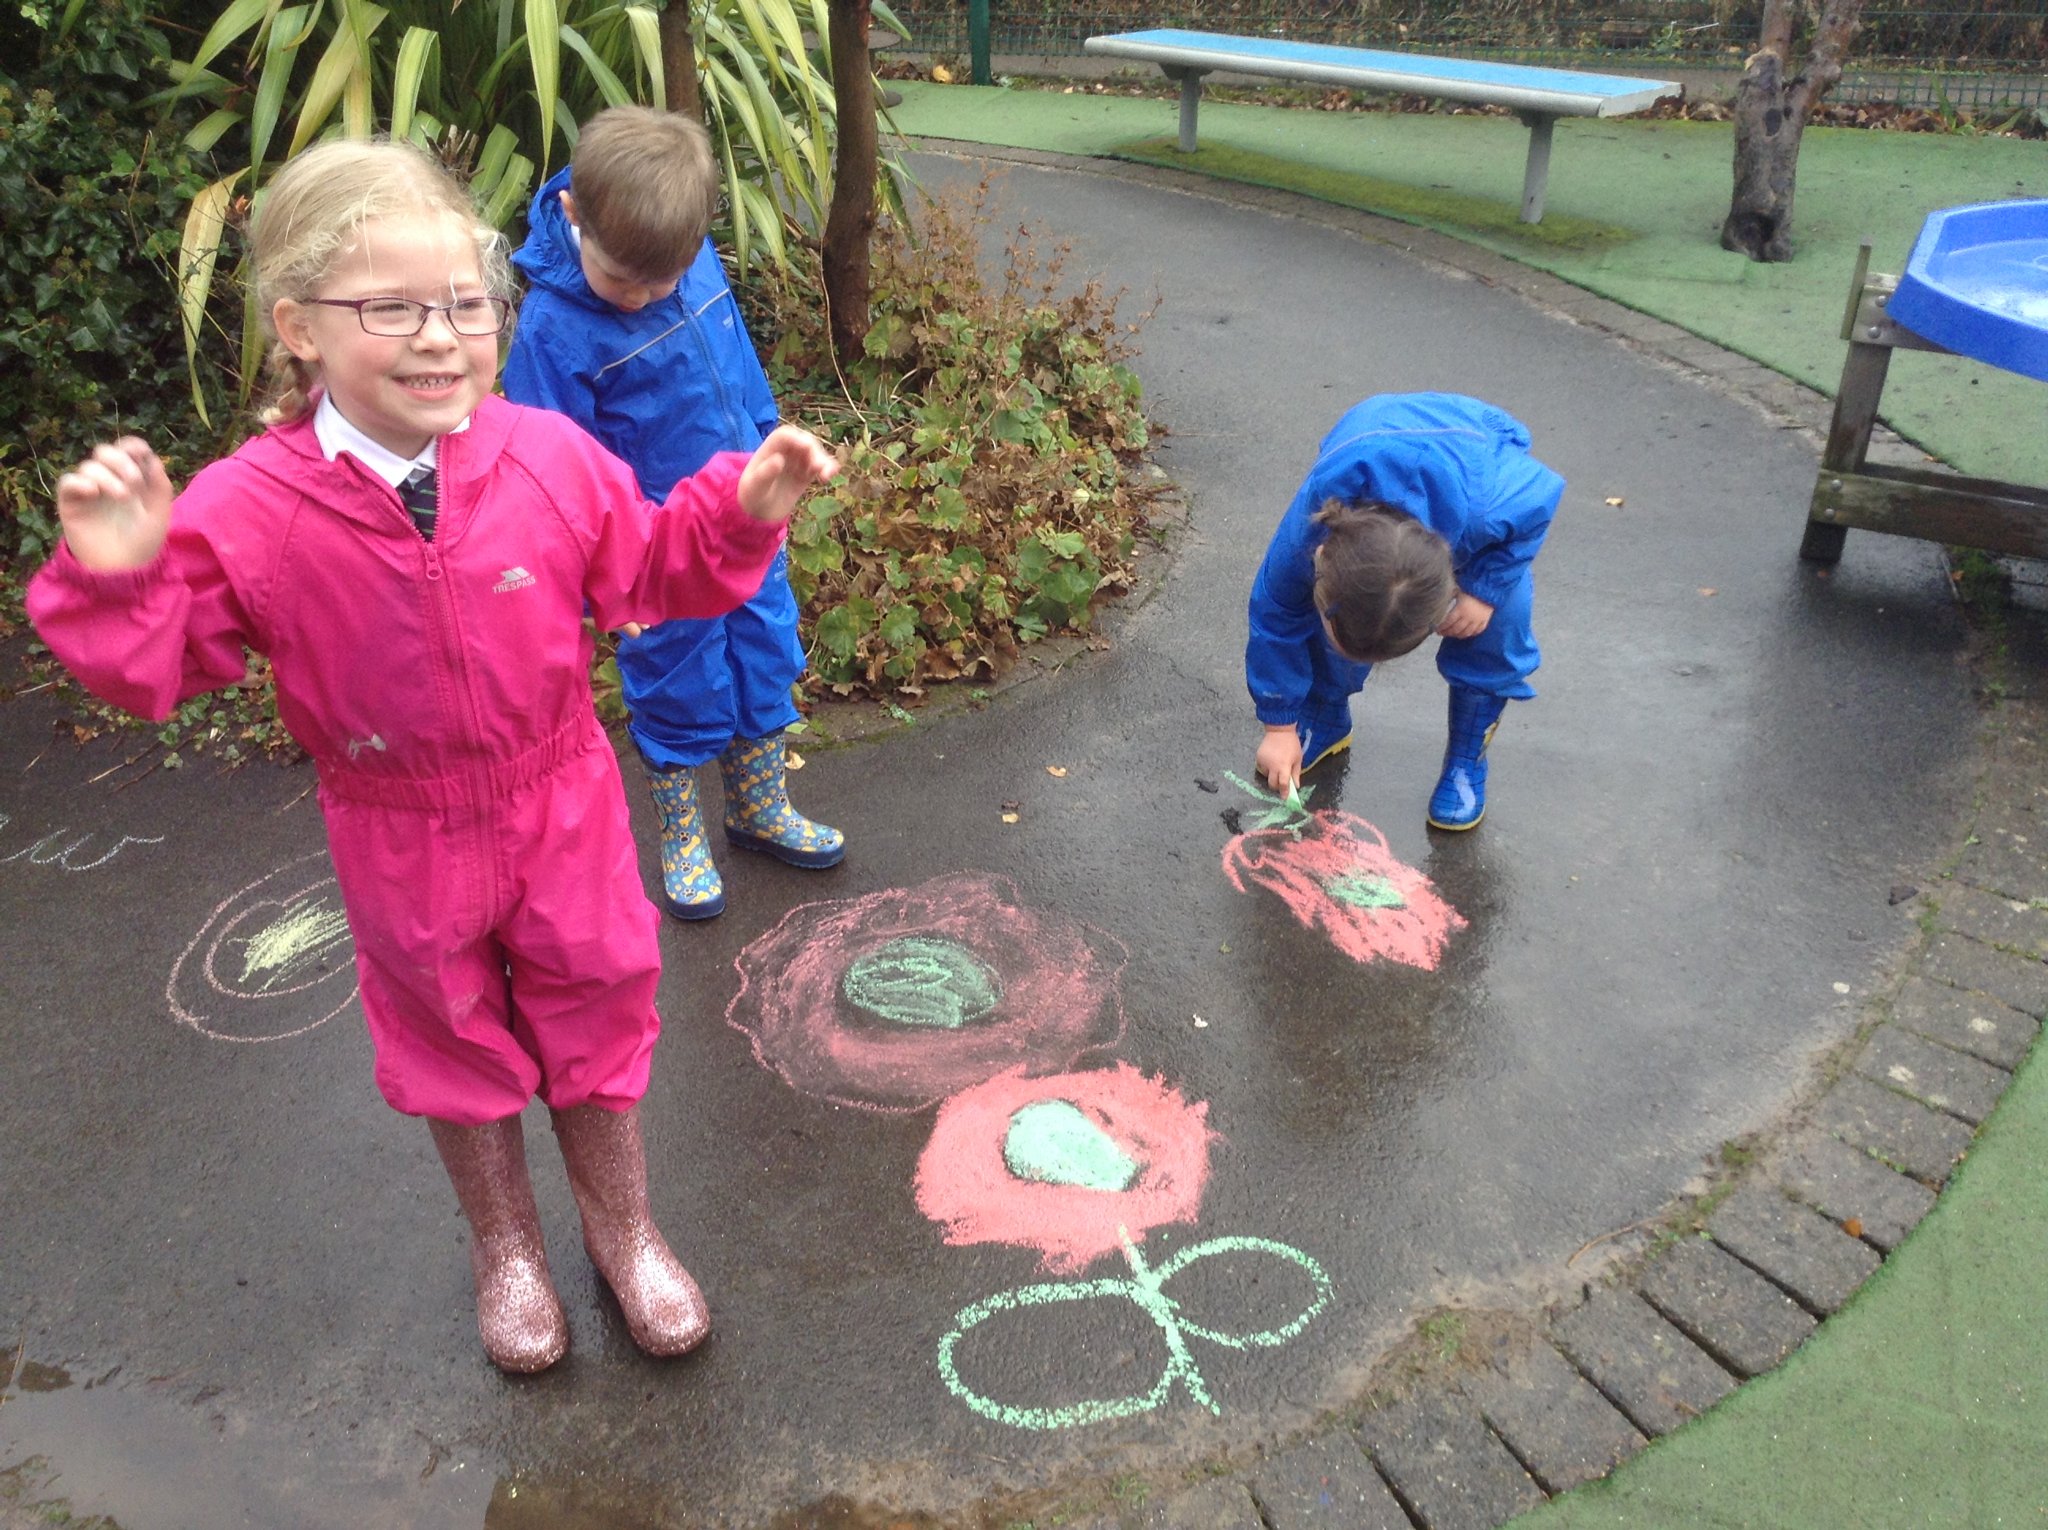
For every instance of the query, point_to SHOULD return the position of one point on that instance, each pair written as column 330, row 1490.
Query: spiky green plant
column 497, row 87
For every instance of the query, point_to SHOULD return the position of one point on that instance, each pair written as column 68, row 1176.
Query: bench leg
column 1190, row 101
column 1856, row 401
column 1536, row 174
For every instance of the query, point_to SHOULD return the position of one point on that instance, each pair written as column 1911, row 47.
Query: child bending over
column 1420, row 517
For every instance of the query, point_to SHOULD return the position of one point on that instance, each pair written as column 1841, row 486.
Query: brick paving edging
column 1801, row 1229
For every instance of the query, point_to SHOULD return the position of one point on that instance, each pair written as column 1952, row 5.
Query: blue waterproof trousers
column 692, row 687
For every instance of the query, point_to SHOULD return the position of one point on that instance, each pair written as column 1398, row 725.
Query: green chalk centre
column 1361, row 889
column 1053, row 1143
column 921, row 980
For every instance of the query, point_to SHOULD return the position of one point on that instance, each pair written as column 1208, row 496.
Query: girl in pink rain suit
column 416, row 557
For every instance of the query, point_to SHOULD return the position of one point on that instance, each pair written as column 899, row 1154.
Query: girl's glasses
column 401, row 318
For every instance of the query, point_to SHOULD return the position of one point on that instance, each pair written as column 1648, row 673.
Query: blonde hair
column 313, row 213
column 646, row 187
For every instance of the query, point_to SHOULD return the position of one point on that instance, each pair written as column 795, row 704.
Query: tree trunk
column 679, row 60
column 850, row 222
column 1767, row 130
column 1771, row 108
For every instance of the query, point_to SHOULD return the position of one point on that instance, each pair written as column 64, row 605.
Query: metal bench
column 1538, row 96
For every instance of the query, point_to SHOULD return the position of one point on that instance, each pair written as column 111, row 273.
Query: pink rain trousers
column 503, row 940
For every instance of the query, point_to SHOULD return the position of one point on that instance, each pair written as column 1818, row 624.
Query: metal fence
column 1981, row 56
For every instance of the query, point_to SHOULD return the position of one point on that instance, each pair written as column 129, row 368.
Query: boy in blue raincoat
column 1421, row 517
column 628, row 327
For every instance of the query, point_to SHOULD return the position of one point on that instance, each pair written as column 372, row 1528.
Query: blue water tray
column 1977, row 283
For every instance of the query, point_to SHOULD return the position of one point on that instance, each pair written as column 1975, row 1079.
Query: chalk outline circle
column 185, row 1017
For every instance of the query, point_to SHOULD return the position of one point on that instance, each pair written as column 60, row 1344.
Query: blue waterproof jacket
column 663, row 388
column 1460, row 466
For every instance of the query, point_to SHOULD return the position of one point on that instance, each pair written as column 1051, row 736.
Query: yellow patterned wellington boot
column 757, row 811
column 691, row 887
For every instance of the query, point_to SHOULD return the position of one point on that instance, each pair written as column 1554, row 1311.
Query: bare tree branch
column 679, row 61
column 850, row 221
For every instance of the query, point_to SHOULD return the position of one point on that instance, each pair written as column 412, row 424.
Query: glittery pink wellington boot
column 517, row 1311
column 664, row 1310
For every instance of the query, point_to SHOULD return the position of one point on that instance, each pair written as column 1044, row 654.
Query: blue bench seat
column 1538, row 96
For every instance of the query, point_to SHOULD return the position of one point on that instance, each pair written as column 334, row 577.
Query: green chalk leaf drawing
column 1145, row 1288
column 1053, row 1143
column 921, row 980
column 1289, row 812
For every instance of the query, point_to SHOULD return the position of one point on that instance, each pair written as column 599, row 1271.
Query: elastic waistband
column 468, row 788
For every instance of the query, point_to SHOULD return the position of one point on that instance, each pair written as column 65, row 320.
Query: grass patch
column 1450, row 211
column 1444, row 1333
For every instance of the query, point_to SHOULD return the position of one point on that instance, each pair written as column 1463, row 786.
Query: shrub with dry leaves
column 990, row 435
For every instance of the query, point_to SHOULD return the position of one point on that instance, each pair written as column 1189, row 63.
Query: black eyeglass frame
column 501, row 312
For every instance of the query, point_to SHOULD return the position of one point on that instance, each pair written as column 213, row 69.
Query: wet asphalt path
column 237, row 1280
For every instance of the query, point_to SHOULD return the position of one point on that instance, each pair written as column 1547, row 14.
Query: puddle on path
column 99, row 1453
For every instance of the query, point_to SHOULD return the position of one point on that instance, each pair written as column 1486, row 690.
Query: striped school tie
column 421, row 494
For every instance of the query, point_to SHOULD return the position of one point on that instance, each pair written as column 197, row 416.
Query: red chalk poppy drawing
column 895, row 1000
column 1072, row 1165
column 1335, row 873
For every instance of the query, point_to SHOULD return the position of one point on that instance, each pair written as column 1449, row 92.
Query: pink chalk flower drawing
column 1335, row 872
column 1076, row 1166
column 894, row 1000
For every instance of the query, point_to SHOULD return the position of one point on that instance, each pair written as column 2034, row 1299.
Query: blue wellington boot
column 1459, row 801
column 691, row 887
column 1324, row 734
column 757, row 811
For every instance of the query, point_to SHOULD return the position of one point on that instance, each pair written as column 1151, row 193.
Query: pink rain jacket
column 473, row 803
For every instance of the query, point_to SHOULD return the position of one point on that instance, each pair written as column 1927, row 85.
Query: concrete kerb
column 1729, row 1280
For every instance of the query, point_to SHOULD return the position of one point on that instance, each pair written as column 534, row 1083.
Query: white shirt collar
column 336, row 435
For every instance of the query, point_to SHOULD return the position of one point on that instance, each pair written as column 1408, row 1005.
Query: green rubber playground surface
column 1924, row 1402
column 1633, row 213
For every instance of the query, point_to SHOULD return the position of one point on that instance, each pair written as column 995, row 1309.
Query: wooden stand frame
column 1908, row 502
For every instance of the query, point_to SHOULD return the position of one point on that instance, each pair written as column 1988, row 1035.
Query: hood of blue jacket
column 549, row 256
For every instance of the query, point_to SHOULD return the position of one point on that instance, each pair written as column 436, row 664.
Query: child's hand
column 116, row 506
column 1468, row 618
column 1279, row 758
column 781, row 470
